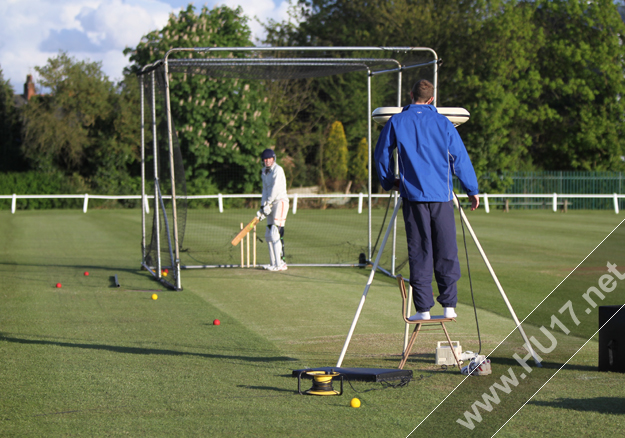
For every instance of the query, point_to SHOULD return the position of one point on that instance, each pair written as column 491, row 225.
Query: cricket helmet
column 268, row 153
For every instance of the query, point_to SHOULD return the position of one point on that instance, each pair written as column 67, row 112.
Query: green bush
column 37, row 183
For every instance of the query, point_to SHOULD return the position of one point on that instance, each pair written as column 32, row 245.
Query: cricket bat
column 244, row 231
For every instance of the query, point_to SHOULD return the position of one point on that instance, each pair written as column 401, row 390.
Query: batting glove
column 260, row 215
column 265, row 209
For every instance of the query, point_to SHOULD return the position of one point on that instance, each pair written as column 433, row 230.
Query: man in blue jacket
column 429, row 152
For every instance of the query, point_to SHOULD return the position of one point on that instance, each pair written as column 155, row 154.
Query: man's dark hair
column 422, row 91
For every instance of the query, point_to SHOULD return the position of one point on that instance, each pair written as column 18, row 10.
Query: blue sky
column 31, row 31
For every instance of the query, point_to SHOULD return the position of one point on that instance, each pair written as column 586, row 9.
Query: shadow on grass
column 137, row 270
column 603, row 405
column 268, row 388
column 145, row 351
column 426, row 360
column 499, row 361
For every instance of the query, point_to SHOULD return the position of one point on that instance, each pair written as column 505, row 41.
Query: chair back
column 404, row 298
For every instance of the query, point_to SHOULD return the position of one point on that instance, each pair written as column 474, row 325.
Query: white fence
column 554, row 199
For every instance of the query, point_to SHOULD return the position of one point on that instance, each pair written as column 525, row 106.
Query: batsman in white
column 274, row 206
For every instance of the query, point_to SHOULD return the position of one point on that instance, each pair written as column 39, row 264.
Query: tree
column 543, row 80
column 10, row 156
column 543, row 86
column 358, row 165
column 497, row 83
column 297, row 128
column 335, row 156
column 582, row 71
column 374, row 23
column 75, row 129
column 222, row 124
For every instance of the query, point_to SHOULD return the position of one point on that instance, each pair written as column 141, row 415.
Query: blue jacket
column 430, row 151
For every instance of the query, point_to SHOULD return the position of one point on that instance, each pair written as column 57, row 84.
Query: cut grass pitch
column 90, row 359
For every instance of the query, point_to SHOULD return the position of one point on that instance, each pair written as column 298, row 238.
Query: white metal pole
column 143, row 199
column 496, row 280
column 435, row 78
column 369, row 160
column 157, row 219
column 172, row 172
column 364, row 294
column 394, row 259
column 396, row 155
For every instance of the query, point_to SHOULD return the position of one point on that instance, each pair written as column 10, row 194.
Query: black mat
column 362, row 374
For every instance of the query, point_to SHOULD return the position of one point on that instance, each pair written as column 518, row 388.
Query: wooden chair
column 435, row 320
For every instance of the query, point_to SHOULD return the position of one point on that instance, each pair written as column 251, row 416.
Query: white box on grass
column 444, row 355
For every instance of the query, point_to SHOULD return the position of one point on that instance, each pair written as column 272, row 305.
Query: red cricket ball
column 216, row 322
column 58, row 285
column 86, row 273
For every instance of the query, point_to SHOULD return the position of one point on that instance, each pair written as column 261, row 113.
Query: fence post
column 13, row 203
column 220, row 200
column 615, row 203
column 146, row 204
column 555, row 202
column 295, row 203
column 360, row 198
column 486, row 206
column 86, row 203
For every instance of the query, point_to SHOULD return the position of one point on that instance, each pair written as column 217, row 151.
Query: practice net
column 323, row 231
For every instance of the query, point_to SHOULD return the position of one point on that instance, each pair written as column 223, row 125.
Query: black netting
column 280, row 68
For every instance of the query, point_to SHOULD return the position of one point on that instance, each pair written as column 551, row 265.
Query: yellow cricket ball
column 355, row 403
column 164, row 274
column 154, row 297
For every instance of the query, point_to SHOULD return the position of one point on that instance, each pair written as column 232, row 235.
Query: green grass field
column 90, row 359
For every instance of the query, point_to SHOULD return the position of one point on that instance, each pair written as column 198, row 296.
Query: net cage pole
column 227, row 68
column 396, row 194
column 142, row 171
column 157, row 215
column 176, row 268
column 369, row 160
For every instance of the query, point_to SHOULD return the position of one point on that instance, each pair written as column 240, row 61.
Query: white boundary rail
column 554, row 198
column 14, row 197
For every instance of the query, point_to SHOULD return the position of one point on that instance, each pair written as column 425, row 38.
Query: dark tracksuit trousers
column 431, row 236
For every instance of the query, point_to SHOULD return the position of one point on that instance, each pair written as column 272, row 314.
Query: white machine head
column 456, row 115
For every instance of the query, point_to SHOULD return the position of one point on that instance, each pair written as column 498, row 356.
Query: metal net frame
column 165, row 204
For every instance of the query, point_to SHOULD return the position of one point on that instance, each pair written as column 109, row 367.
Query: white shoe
column 450, row 312
column 271, row 268
column 420, row 316
column 282, row 267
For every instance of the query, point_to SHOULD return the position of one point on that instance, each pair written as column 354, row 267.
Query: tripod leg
column 368, row 285
column 496, row 280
